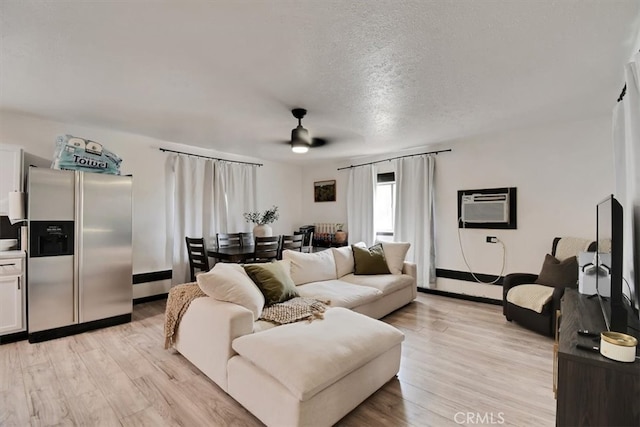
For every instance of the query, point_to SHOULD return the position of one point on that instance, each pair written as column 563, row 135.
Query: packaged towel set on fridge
column 73, row 153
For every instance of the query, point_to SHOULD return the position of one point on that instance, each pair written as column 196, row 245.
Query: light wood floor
column 462, row 363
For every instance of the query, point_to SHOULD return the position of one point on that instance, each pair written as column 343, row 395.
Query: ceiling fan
column 301, row 141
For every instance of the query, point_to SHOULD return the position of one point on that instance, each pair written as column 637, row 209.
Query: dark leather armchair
column 544, row 322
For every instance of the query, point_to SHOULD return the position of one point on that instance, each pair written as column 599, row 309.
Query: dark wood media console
column 591, row 389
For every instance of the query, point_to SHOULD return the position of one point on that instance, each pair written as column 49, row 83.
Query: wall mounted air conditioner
column 487, row 208
column 482, row 208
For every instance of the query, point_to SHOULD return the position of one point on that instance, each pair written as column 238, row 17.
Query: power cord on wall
column 504, row 258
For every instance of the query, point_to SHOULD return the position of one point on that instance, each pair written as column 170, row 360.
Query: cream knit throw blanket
column 177, row 304
column 571, row 246
column 295, row 310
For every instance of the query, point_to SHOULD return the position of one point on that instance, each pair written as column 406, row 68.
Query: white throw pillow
column 395, row 252
column 344, row 260
column 229, row 282
column 313, row 267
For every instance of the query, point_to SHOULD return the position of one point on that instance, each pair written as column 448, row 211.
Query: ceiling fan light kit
column 299, row 147
column 300, row 140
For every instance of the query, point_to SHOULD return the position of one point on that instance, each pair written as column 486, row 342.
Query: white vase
column 262, row 231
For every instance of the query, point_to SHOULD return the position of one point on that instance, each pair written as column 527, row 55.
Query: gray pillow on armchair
column 559, row 274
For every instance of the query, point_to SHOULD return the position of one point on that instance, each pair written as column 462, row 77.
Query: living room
column 542, row 124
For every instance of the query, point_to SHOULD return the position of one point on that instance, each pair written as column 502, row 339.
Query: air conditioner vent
column 489, row 208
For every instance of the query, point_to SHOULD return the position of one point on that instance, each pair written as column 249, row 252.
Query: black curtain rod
column 624, row 91
column 212, row 158
column 394, row 158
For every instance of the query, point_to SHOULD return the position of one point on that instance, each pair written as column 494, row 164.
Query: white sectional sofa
column 304, row 373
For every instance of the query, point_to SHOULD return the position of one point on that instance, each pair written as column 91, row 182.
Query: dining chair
column 307, row 240
column 228, row 240
column 197, row 256
column 293, row 243
column 246, row 239
column 266, row 249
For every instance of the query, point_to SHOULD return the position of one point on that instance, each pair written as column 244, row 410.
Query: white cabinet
column 12, row 295
column 10, row 174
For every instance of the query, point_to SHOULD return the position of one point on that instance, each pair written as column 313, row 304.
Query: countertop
column 12, row 254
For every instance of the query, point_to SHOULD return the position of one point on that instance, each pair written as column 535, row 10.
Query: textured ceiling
column 378, row 77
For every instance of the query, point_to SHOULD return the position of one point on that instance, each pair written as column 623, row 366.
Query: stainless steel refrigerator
column 79, row 257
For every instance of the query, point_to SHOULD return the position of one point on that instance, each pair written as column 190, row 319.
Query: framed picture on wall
column 324, row 191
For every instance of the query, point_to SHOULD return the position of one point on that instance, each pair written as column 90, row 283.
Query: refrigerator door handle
column 77, row 259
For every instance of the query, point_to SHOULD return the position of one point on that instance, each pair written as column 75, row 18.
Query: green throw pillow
column 370, row 261
column 273, row 280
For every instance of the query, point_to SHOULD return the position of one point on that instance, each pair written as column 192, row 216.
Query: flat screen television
column 609, row 234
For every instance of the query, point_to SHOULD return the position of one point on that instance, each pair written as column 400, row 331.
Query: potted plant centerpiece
column 262, row 221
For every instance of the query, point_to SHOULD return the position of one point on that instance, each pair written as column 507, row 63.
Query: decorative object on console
column 327, row 235
column 262, row 221
column 618, row 346
column 340, row 235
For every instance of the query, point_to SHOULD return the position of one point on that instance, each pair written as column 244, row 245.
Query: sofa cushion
column 530, row 296
column 230, row 283
column 273, row 280
column 344, row 259
column 385, row 283
column 313, row 267
column 333, row 348
column 369, row 261
column 558, row 273
column 395, row 253
column 339, row 293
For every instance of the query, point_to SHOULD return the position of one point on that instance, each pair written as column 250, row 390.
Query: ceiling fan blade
column 319, row 142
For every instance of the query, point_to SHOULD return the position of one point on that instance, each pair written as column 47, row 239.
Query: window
column 385, row 206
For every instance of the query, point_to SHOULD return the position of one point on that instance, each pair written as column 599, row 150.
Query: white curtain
column 626, row 141
column 191, row 207
column 235, row 189
column 205, row 197
column 361, row 204
column 414, row 214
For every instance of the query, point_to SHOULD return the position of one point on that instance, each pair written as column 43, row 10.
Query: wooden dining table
column 232, row 253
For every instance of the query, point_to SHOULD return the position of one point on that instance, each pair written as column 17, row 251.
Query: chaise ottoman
column 313, row 373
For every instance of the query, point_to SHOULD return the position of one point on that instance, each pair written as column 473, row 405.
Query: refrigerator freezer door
column 51, row 195
column 105, row 265
column 51, row 293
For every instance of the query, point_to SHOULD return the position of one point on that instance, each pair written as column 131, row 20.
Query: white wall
column 320, row 212
column 561, row 171
column 278, row 184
